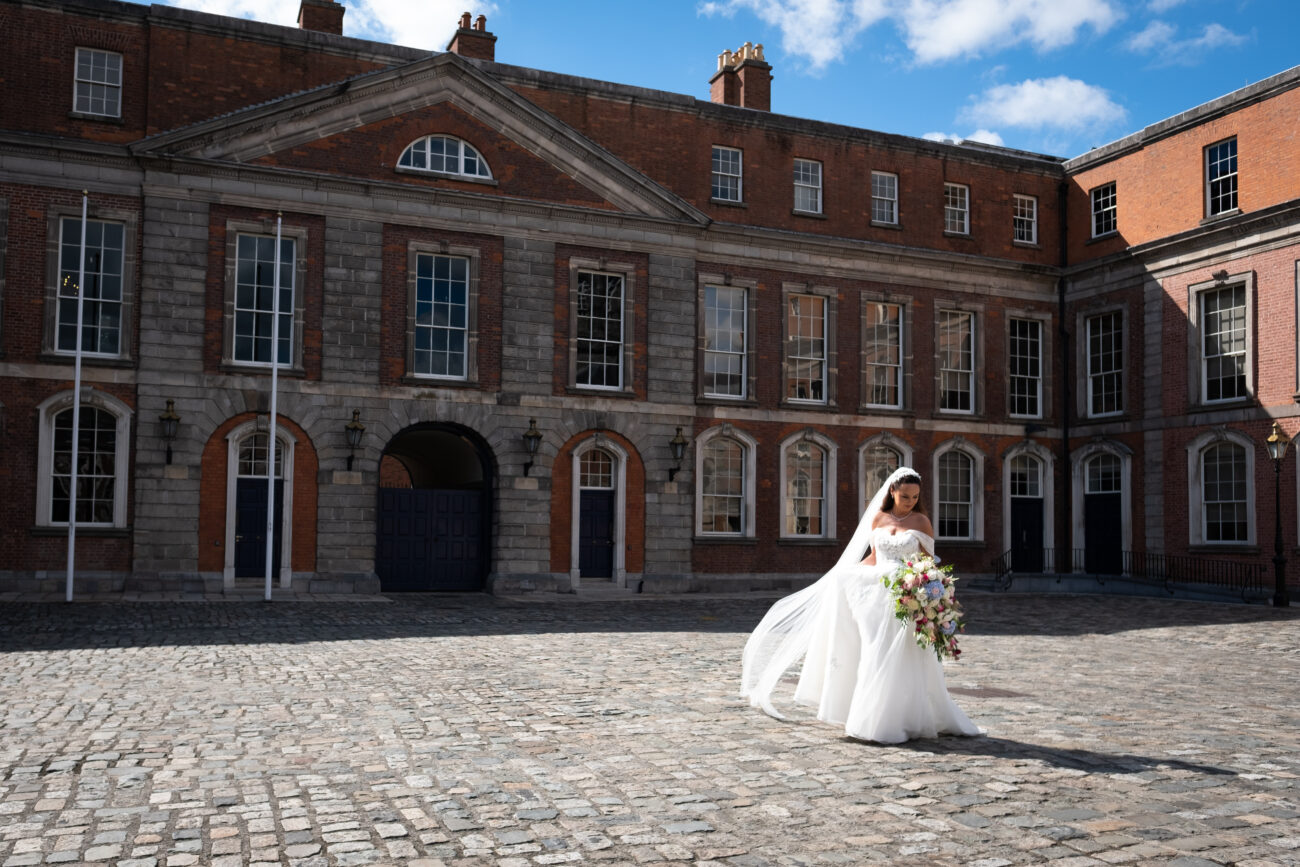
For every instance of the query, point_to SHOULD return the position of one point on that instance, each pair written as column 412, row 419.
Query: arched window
column 102, row 461
column 878, row 463
column 722, row 497
column 1226, row 514
column 805, row 490
column 597, row 469
column 956, row 495
column 445, row 155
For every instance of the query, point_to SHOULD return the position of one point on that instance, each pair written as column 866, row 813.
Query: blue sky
column 1052, row 76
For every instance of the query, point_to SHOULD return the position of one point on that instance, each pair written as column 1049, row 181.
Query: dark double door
column 1027, row 534
column 250, row 528
column 430, row 540
column 596, row 534
column 1103, row 534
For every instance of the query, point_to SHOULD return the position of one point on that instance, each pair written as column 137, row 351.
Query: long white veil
column 785, row 632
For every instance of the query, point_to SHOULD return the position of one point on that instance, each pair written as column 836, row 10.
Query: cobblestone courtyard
column 471, row 730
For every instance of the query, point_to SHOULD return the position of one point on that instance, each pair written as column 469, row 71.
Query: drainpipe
column 1064, row 542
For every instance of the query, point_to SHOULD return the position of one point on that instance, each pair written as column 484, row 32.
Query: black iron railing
column 1168, row 569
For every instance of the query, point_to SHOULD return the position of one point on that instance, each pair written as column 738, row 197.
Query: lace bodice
column 894, row 547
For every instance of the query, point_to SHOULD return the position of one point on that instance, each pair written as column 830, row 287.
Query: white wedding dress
column 862, row 667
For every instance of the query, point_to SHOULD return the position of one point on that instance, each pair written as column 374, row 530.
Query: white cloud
column 1159, row 7
column 1158, row 39
column 820, row 31
column 428, row 24
column 938, row 30
column 1060, row 102
column 980, row 135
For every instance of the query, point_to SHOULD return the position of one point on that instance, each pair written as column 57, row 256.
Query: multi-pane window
column 596, row 469
column 806, row 348
column 1104, row 211
column 1025, row 367
column 956, row 489
column 600, row 330
column 253, row 454
column 727, row 178
column 1223, row 480
column 1106, row 363
column 882, row 351
column 1223, row 343
column 440, row 153
column 956, row 209
column 1221, row 177
column 1104, row 475
column 1026, row 476
column 805, row 490
column 101, row 316
column 1024, row 220
column 878, row 463
column 722, row 500
column 441, row 315
column 725, row 314
column 255, row 302
column 956, row 361
column 98, row 85
column 808, row 186
column 96, row 467
column 884, row 197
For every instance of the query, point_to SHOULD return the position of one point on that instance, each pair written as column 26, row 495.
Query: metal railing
column 1168, row 569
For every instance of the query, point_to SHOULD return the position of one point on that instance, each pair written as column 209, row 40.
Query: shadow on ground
column 37, row 626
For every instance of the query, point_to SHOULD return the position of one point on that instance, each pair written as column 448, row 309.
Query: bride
column 862, row 668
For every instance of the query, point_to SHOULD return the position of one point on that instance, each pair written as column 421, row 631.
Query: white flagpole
column 270, row 439
column 76, row 405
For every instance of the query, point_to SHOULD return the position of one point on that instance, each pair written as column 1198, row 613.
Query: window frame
column 976, row 395
column 46, row 413
column 485, row 176
column 299, row 235
column 705, row 281
column 1197, row 380
column 950, row 210
column 882, row 440
column 1040, row 397
column 1196, row 512
column 891, row 201
column 54, row 248
column 904, row 373
column 739, row 175
column 817, row 188
column 1105, row 209
column 1020, row 220
column 415, row 250
column 968, row 450
column 1231, row 178
column 750, row 483
column 1086, row 368
column 828, row 297
column 90, row 83
column 829, row 496
column 627, row 272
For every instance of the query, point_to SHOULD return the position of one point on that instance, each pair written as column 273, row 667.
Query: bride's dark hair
column 888, row 504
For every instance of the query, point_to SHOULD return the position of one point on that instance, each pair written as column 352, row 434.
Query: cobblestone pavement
column 467, row 730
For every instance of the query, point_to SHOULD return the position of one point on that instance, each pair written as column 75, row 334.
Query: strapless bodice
column 894, row 547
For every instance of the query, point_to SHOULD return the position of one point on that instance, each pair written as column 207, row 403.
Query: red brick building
column 717, row 326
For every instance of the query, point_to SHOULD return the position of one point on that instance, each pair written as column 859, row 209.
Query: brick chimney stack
column 473, row 41
column 743, row 78
column 325, row 16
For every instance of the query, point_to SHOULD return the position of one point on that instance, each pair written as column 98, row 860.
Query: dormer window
column 444, row 155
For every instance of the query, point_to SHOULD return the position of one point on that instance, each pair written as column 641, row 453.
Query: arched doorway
column 435, row 515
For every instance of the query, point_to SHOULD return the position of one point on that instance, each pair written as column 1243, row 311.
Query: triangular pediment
column 402, row 100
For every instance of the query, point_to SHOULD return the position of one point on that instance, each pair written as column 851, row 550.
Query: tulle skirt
column 864, row 670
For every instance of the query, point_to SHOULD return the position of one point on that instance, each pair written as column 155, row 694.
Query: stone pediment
column 376, row 115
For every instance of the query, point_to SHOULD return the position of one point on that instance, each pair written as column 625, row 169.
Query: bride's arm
column 870, row 559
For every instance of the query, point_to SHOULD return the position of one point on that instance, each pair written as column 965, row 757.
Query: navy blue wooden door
column 596, row 534
column 430, row 540
column 1103, row 534
column 250, row 527
column 1027, row 534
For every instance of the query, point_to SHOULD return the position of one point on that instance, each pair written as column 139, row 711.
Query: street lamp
column 677, row 445
column 354, row 430
column 532, row 439
column 170, row 422
column 1277, row 443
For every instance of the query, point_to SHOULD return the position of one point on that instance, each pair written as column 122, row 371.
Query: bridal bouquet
column 924, row 599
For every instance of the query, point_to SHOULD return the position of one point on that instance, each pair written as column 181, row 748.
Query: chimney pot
column 480, row 23
column 473, row 39
column 464, row 21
